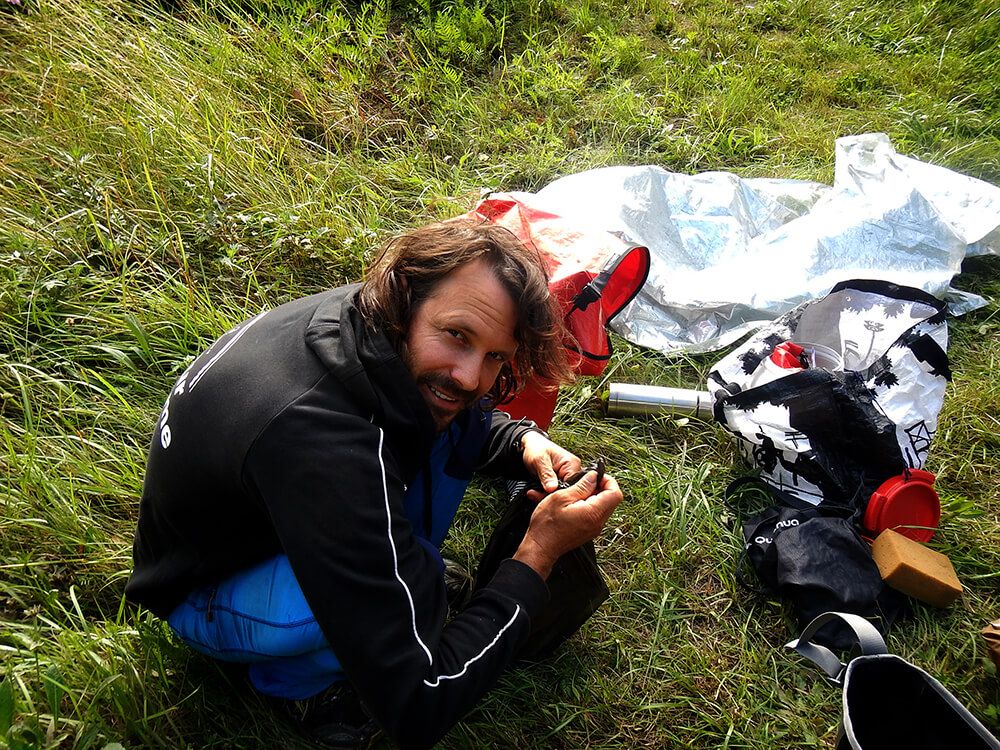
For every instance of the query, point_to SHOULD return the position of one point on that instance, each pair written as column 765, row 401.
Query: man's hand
column 547, row 461
column 566, row 519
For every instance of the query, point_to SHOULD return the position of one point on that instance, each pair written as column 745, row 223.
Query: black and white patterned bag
column 838, row 394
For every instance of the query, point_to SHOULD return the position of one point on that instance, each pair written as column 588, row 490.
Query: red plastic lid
column 904, row 501
column 788, row 355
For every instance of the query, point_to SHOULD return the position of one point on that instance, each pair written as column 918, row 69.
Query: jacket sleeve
column 335, row 498
column 501, row 454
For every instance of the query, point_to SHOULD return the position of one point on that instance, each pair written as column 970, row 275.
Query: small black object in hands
column 597, row 466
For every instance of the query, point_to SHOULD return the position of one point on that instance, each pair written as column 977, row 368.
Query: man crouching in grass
column 306, row 468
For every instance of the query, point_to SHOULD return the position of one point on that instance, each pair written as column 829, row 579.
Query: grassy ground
column 167, row 171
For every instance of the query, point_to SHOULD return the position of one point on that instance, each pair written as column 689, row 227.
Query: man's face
column 458, row 339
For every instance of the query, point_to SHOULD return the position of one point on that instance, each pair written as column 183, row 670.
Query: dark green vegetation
column 165, row 172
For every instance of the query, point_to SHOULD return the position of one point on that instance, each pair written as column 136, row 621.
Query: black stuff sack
column 814, row 558
column 888, row 703
column 576, row 586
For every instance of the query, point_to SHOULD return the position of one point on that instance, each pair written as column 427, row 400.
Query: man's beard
column 447, row 386
column 444, row 384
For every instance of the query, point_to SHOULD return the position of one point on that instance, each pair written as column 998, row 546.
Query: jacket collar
column 373, row 373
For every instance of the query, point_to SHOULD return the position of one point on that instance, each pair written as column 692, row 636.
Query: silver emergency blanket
column 730, row 254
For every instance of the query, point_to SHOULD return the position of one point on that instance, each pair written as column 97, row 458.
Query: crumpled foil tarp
column 730, row 254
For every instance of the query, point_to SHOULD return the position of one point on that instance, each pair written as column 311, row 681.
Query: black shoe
column 457, row 584
column 334, row 719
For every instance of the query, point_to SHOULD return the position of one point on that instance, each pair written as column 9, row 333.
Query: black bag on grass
column 576, row 586
column 813, row 557
column 888, row 703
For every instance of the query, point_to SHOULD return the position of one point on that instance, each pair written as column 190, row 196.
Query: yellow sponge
column 916, row 570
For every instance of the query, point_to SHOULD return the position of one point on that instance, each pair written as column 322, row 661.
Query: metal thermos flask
column 626, row 399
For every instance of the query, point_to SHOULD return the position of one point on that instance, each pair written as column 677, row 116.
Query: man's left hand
column 547, row 461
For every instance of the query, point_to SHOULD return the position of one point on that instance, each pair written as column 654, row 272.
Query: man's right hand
column 565, row 519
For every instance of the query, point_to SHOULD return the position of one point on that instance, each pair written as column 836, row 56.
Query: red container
column 905, row 501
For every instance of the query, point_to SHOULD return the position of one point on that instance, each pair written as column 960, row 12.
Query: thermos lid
column 789, row 356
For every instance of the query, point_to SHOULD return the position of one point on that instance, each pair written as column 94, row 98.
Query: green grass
column 166, row 172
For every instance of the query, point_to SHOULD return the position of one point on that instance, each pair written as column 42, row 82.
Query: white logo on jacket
column 165, row 434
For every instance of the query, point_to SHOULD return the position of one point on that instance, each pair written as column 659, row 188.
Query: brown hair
column 409, row 267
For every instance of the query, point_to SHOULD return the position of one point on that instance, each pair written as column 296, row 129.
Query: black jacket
column 298, row 431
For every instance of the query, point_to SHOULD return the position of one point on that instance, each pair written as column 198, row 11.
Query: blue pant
column 260, row 616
